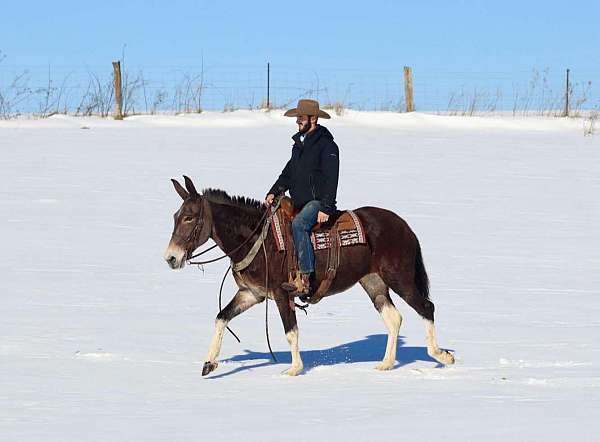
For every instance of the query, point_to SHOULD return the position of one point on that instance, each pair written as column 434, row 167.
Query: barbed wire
column 196, row 87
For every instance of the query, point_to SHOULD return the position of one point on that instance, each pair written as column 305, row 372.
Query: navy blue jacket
column 312, row 172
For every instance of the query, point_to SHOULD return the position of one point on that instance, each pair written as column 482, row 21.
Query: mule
column 391, row 259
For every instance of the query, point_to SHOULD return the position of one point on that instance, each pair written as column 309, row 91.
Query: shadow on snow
column 369, row 349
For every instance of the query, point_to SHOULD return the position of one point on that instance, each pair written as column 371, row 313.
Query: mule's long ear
column 180, row 190
column 190, row 186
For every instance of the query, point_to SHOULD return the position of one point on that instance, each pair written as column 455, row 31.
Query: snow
column 100, row 340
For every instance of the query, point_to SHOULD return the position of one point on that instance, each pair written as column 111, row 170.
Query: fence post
column 567, row 95
column 118, row 90
column 408, row 89
column 268, row 85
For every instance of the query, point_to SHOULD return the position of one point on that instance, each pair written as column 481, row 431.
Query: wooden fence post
column 268, row 86
column 408, row 89
column 567, row 95
column 118, row 90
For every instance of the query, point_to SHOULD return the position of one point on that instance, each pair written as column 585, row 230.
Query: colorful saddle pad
column 348, row 226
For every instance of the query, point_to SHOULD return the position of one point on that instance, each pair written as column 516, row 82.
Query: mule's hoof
column 209, row 367
column 383, row 366
column 294, row 371
column 447, row 358
column 443, row 357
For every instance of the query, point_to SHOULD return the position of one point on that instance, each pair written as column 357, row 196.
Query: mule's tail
column 421, row 278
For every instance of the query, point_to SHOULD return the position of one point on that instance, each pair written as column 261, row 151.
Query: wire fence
column 88, row 90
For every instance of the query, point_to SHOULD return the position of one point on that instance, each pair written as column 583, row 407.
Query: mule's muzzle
column 175, row 263
column 175, row 257
column 172, row 261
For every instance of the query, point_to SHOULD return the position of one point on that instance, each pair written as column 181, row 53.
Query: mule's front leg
column 242, row 301
column 290, row 326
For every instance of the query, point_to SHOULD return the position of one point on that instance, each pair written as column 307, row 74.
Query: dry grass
column 589, row 123
column 337, row 107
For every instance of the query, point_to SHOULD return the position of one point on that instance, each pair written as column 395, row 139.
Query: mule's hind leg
column 409, row 291
column 433, row 350
column 242, row 301
column 380, row 296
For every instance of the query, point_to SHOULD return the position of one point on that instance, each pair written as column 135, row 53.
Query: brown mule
column 390, row 259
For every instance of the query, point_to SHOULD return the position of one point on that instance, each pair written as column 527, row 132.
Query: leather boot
column 309, row 285
column 300, row 286
column 306, row 284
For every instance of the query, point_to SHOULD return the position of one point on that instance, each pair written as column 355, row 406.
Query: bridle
column 267, row 215
column 208, row 228
column 197, row 226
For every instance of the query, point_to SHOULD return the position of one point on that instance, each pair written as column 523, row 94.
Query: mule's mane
column 222, row 197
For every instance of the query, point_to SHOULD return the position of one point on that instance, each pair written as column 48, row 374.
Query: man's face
column 303, row 122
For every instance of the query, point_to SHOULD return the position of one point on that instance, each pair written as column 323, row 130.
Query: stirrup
column 302, row 307
column 305, row 297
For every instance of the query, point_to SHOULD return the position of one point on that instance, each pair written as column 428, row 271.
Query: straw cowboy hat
column 307, row 107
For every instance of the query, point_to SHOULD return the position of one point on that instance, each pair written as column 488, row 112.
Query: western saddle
column 343, row 229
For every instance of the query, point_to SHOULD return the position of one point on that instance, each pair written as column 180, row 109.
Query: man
column 311, row 176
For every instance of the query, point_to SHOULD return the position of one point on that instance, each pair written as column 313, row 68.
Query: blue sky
column 440, row 39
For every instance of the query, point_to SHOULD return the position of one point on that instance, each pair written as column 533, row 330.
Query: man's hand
column 269, row 199
column 322, row 217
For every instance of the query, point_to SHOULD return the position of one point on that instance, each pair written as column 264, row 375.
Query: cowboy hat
column 307, row 107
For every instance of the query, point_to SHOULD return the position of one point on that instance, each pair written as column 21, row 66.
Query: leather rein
column 264, row 223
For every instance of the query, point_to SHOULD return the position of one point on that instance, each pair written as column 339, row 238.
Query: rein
column 228, row 254
column 264, row 223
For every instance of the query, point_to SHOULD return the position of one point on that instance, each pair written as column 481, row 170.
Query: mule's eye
column 188, row 219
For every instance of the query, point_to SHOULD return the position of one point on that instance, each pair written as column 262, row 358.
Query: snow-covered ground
column 100, row 340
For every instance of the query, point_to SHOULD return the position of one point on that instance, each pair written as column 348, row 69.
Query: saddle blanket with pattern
column 349, row 229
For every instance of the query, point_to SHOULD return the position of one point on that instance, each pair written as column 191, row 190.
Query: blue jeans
column 301, row 226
